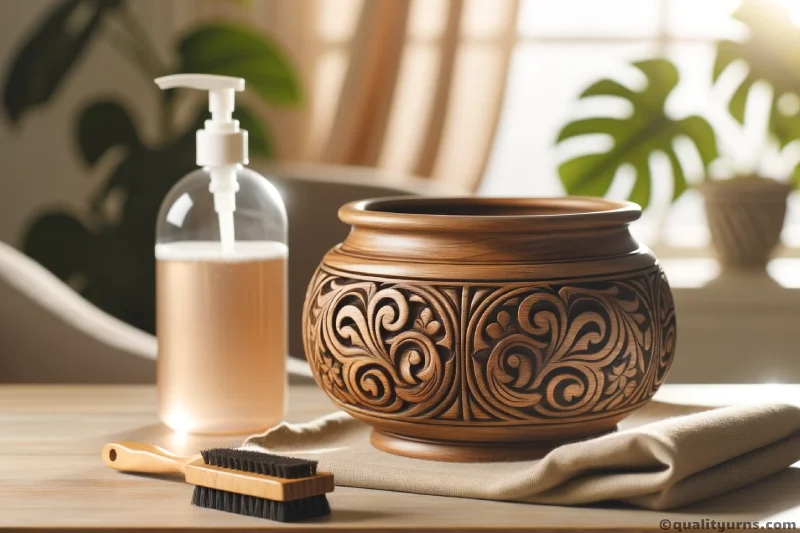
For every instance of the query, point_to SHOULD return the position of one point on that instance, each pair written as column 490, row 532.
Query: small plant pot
column 745, row 218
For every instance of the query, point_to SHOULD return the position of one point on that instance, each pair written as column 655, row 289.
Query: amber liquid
column 221, row 327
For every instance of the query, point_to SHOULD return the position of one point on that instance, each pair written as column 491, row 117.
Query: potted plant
column 111, row 254
column 745, row 214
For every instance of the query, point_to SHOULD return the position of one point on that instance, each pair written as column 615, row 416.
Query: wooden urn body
column 484, row 329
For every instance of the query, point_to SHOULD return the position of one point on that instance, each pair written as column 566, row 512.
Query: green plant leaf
column 592, row 126
column 702, row 135
column 122, row 177
column 727, row 53
column 41, row 66
column 662, row 77
column 785, row 128
column 738, row 103
column 795, row 179
column 640, row 193
column 232, row 50
column 679, row 184
column 573, row 172
column 770, row 53
column 260, row 141
column 606, row 87
column 103, row 125
column 60, row 242
column 635, row 138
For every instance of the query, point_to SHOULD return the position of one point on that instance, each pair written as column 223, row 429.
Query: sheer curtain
column 408, row 85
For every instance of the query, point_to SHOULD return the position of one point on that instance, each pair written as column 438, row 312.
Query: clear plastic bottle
column 221, row 291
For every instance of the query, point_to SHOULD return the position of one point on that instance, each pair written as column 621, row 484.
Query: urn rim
column 503, row 214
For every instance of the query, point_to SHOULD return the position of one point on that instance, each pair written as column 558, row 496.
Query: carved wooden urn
column 486, row 329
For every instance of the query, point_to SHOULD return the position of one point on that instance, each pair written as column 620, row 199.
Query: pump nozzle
column 221, row 146
column 221, row 90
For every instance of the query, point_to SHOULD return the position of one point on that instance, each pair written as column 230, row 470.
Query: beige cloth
column 662, row 464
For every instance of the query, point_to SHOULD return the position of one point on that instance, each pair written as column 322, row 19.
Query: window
column 564, row 46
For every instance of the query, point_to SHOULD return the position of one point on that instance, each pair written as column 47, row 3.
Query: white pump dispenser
column 221, row 146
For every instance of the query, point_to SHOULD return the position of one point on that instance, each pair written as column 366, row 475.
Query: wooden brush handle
column 144, row 458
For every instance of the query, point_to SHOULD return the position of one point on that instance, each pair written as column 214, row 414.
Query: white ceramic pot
column 745, row 218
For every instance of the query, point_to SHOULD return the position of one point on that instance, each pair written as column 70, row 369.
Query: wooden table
column 53, row 478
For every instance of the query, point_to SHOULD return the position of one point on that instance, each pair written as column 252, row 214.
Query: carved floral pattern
column 537, row 352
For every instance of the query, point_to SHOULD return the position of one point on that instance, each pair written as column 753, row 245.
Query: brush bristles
column 265, row 464
column 260, row 463
column 291, row 511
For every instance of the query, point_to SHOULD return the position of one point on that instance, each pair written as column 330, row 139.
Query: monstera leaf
column 60, row 241
column 238, row 51
column 647, row 130
column 770, row 52
column 51, row 52
column 103, row 125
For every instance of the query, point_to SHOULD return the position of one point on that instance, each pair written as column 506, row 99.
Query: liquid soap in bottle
column 220, row 282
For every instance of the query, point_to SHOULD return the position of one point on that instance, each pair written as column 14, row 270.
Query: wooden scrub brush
column 237, row 481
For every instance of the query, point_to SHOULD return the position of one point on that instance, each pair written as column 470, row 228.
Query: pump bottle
column 220, row 282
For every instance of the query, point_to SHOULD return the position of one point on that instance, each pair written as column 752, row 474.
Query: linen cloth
column 661, row 458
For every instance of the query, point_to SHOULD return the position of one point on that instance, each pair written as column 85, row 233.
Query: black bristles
column 265, row 464
column 260, row 463
column 291, row 511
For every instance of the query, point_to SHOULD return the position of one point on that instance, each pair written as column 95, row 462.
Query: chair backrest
column 48, row 333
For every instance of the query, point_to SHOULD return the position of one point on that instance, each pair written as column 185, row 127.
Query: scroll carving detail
column 537, row 351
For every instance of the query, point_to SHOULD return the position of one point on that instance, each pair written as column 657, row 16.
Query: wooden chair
column 48, row 333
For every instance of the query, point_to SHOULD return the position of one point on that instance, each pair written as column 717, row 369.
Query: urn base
column 463, row 452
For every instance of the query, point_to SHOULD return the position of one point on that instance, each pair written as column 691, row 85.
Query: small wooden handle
column 138, row 457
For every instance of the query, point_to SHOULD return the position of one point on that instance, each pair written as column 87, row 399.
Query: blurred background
column 690, row 108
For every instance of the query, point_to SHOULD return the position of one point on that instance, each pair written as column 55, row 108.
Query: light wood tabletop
column 54, row 479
